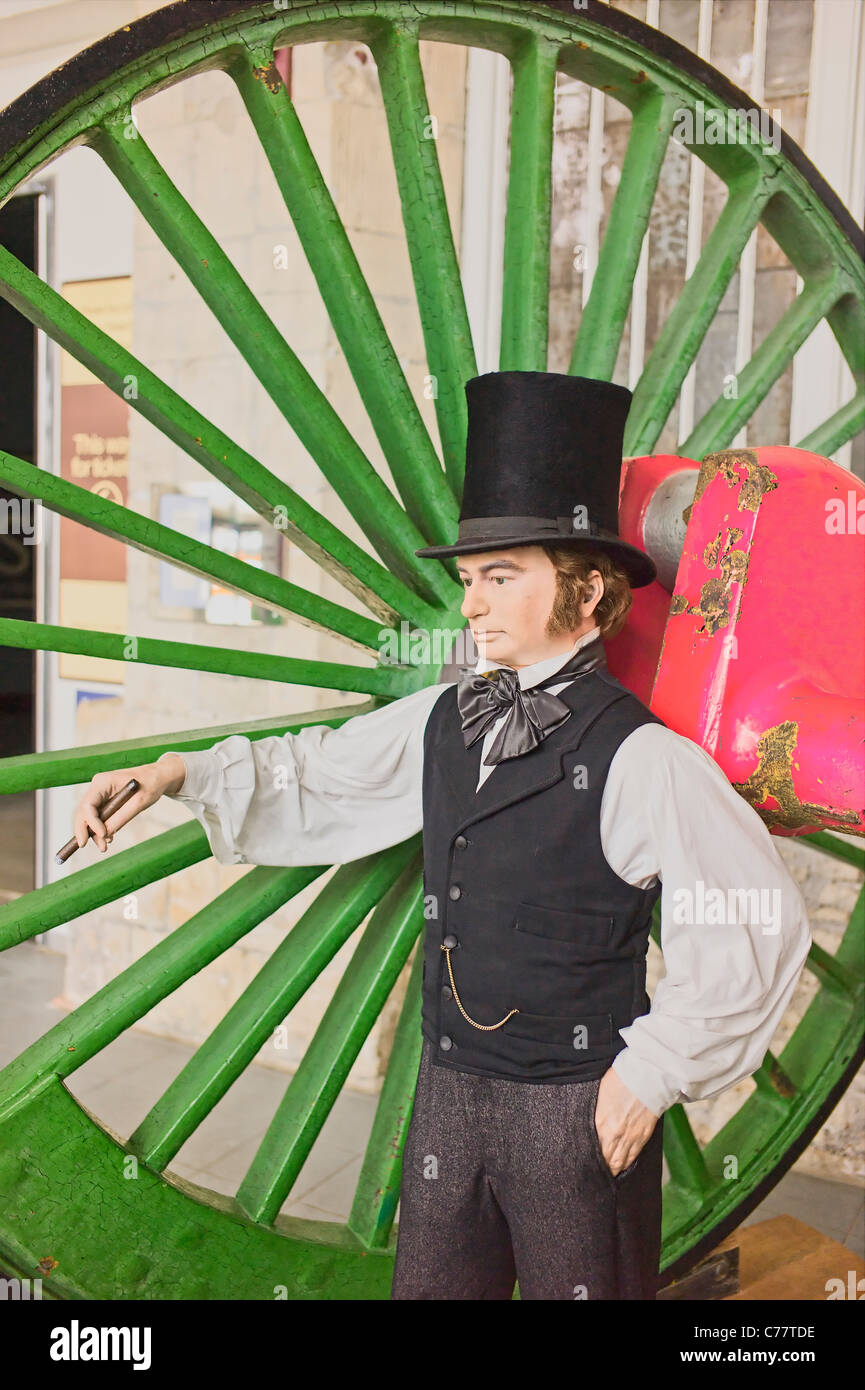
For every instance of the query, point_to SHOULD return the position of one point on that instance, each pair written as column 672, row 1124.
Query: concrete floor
column 123, row 1082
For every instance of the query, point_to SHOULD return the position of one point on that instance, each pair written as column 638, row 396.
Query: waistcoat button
column 450, row 941
column 460, row 841
column 447, row 992
column 445, row 1043
column 454, row 891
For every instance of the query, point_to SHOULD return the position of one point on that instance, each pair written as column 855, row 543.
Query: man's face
column 508, row 599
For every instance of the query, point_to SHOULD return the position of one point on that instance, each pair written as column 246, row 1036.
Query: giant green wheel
column 241, row 1246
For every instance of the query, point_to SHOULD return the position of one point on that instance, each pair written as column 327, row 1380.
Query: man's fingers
column 89, row 812
column 128, row 811
column 113, row 823
column 89, row 816
column 103, row 831
column 109, row 828
column 97, row 829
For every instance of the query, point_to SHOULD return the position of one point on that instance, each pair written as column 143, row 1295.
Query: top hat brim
column 639, row 568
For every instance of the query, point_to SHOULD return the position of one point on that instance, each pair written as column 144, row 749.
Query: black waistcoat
column 516, row 882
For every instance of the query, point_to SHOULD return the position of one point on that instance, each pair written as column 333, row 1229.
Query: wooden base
column 777, row 1260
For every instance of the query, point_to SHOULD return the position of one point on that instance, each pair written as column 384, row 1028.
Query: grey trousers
column 505, row 1181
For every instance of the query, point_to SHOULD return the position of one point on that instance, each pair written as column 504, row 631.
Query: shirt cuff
column 202, row 776
column 219, row 786
column 655, row 1089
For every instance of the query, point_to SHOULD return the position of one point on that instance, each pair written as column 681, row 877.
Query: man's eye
column 500, row 579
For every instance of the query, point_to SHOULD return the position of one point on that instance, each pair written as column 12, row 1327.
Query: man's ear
column 596, row 579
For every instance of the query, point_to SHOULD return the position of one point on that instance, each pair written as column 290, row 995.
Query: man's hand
column 622, row 1122
column 167, row 775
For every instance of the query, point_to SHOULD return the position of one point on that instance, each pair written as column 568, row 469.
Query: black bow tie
column 532, row 713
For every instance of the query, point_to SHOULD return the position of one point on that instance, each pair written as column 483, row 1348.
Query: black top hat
column 544, row 464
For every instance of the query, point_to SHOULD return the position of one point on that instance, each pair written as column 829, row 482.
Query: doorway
column 18, row 555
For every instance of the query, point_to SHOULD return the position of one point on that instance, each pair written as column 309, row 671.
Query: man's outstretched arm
column 321, row 796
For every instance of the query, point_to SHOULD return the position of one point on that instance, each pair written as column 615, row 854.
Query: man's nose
column 471, row 605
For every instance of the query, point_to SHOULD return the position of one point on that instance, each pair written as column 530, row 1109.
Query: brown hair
column 573, row 565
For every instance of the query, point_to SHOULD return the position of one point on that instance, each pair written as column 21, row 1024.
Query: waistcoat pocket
column 597, row 1036
column 589, row 928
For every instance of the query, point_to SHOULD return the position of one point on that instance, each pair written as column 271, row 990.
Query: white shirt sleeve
column 732, row 957
column 320, row 796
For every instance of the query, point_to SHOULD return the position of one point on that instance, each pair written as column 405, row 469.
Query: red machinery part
column 758, row 653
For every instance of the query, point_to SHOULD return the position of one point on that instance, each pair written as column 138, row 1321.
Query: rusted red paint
column 269, row 75
column 771, row 784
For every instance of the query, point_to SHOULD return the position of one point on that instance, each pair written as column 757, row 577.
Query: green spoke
column 356, row 1003
column 311, row 944
column 64, row 766
column 655, row 929
column 439, row 291
column 722, row 421
column 378, row 1186
column 602, row 322
column 837, row 848
column 846, row 421
column 107, row 881
column 401, row 432
column 269, row 496
column 684, row 1156
column 194, row 656
column 163, row 543
column 291, row 388
column 773, row 1083
column 689, row 320
column 163, row 969
column 526, row 282
column 835, row 975
column 813, row 252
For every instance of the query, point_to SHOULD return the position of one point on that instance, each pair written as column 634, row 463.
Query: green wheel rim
column 242, row 1246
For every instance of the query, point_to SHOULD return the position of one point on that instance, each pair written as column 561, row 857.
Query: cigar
column 111, row 805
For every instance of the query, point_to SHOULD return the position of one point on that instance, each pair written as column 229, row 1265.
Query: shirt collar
column 539, row 670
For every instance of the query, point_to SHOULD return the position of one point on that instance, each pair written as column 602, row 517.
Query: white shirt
column 668, row 814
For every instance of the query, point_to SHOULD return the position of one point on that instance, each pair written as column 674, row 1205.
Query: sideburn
column 565, row 613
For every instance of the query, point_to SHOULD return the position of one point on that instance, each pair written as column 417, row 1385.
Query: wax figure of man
column 553, row 804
